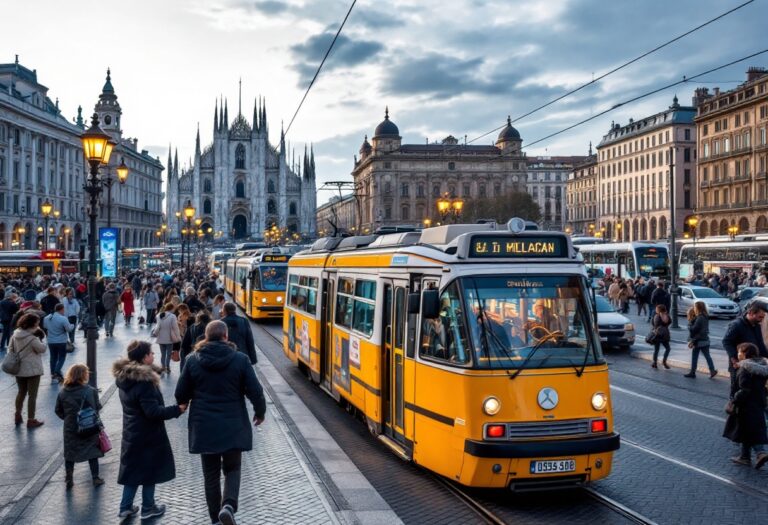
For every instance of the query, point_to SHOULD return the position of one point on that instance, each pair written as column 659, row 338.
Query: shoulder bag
column 651, row 337
column 12, row 362
column 88, row 422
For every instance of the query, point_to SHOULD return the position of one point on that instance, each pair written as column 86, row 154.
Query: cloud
column 346, row 53
column 375, row 19
column 271, row 7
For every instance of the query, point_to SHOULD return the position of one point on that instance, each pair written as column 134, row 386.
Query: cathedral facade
column 241, row 185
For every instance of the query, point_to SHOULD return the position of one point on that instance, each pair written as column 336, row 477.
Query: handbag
column 70, row 347
column 88, row 422
column 175, row 356
column 105, row 445
column 12, row 362
column 651, row 337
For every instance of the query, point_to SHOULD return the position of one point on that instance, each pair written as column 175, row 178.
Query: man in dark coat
column 146, row 457
column 191, row 300
column 8, row 308
column 745, row 329
column 217, row 379
column 239, row 331
column 49, row 302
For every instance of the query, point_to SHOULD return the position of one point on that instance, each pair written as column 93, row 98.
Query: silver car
column 717, row 305
column 615, row 329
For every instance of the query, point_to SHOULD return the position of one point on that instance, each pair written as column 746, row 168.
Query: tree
column 501, row 208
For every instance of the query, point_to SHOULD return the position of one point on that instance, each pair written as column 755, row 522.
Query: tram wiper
column 534, row 348
column 485, row 327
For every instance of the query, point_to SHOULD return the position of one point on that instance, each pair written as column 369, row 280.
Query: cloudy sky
column 443, row 67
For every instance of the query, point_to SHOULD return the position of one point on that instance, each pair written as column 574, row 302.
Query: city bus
column 25, row 263
column 257, row 283
column 628, row 260
column 469, row 350
column 217, row 258
column 722, row 255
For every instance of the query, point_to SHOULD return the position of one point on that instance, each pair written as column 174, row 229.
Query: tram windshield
column 516, row 322
column 272, row 278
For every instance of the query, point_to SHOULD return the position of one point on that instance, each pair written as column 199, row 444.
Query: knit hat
column 138, row 350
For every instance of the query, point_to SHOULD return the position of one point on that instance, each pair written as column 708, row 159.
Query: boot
column 712, row 374
column 97, row 481
column 34, row 423
column 762, row 457
column 690, row 375
column 19, row 420
column 654, row 365
column 665, row 364
column 68, row 478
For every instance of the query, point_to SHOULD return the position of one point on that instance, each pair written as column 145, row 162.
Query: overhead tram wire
column 320, row 67
column 599, row 78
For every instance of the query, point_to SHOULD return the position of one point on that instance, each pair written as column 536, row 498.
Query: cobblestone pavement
column 279, row 486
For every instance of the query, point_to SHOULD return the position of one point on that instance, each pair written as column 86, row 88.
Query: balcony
column 704, row 184
column 730, row 206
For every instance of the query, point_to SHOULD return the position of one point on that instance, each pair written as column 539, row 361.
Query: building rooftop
column 674, row 114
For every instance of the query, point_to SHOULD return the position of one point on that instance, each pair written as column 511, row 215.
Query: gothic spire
column 312, row 160
column 221, row 113
column 264, row 124
column 282, row 140
column 306, row 163
column 197, row 141
column 240, row 97
column 256, row 114
column 176, row 163
column 226, row 116
column 170, row 163
column 216, row 117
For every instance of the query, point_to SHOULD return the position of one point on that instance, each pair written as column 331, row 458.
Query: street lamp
column 427, row 223
column 602, row 233
column 21, row 231
column 189, row 212
column 46, row 208
column 448, row 206
column 67, row 230
column 97, row 149
column 178, row 228
column 733, row 231
column 618, row 232
column 122, row 176
column 693, row 221
column 592, row 230
column 568, row 230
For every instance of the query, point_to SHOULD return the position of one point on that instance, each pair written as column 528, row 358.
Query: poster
column 304, row 337
column 108, row 250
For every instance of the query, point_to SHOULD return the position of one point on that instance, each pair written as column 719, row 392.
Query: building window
column 387, row 165
column 387, row 188
column 270, row 186
column 240, row 157
column 388, row 213
column 404, row 213
column 451, row 166
column 687, row 155
column 207, row 185
column 465, row 191
column 207, row 206
column 271, row 207
column 481, row 190
column 240, row 190
column 497, row 190
column 404, row 190
column 687, row 133
column 436, row 190
column 420, row 190
column 292, row 209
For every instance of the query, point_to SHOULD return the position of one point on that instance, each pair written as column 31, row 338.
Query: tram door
column 393, row 359
column 326, row 346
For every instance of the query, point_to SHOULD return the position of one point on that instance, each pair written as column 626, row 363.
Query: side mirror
column 430, row 306
column 414, row 303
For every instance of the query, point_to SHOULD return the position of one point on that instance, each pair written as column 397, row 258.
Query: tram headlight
column 491, row 406
column 279, row 298
column 599, row 400
column 263, row 299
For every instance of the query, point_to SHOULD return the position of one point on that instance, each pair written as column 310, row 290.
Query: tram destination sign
column 495, row 246
column 274, row 258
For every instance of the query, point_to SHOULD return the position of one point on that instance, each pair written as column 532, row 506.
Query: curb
column 677, row 363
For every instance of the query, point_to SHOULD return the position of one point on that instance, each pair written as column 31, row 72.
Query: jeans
column 641, row 307
column 58, row 355
column 27, row 385
column 69, row 468
column 73, row 321
column 165, row 355
column 695, row 358
column 213, row 464
column 129, row 493
column 746, row 450
column 7, row 330
column 109, row 321
column 656, row 350
column 151, row 315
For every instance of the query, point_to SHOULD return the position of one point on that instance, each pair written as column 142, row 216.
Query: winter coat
column 215, row 380
column 167, row 329
column 77, row 448
column 742, row 331
column 8, row 309
column 151, row 300
column 194, row 333
column 31, row 348
column 127, row 299
column 661, row 327
column 71, row 307
column 195, row 305
column 660, row 296
column 58, row 328
column 239, row 333
column 698, row 331
column 146, row 457
column 48, row 303
column 109, row 300
column 747, row 423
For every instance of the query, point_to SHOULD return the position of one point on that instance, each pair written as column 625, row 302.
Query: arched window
column 240, row 190
column 207, row 206
column 270, row 186
column 292, row 209
column 207, row 185
column 271, row 207
column 404, row 213
column 240, row 157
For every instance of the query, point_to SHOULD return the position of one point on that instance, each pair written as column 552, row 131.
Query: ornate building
column 733, row 157
column 241, row 185
column 581, row 196
column 340, row 212
column 634, row 175
column 40, row 158
column 400, row 184
column 547, row 179
column 137, row 207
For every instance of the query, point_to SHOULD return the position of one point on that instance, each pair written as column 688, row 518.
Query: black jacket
column 747, row 425
column 193, row 334
column 215, row 380
column 742, row 331
column 661, row 328
column 659, row 296
column 77, row 448
column 146, row 457
column 48, row 303
column 8, row 309
column 240, row 334
column 195, row 305
column 698, row 331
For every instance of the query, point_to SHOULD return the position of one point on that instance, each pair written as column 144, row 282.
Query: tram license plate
column 547, row 467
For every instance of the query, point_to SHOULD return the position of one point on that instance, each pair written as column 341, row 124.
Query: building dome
column 509, row 133
column 387, row 128
column 366, row 146
column 108, row 89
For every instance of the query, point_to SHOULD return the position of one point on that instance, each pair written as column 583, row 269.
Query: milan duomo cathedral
column 241, row 185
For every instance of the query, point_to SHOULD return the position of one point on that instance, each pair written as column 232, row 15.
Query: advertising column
column 108, row 249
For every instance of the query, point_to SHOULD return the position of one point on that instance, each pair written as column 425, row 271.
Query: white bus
column 216, row 260
column 627, row 259
column 722, row 255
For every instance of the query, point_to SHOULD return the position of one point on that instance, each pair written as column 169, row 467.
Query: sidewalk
column 279, row 485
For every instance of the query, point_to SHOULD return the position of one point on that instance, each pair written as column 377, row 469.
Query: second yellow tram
column 468, row 350
column 257, row 283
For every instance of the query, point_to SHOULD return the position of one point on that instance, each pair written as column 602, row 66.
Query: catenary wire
column 320, row 67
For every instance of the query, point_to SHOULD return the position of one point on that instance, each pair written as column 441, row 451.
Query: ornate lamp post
column 449, row 206
column 178, row 228
column 189, row 212
column 183, row 240
column 733, row 231
column 21, row 230
column 67, row 231
column 97, row 149
column 427, row 223
column 46, row 208
column 164, row 229
column 693, row 221
column 602, row 233
column 40, row 233
column 592, row 230
column 108, row 181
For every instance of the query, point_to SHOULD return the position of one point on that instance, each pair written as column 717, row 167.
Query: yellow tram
column 257, row 283
column 470, row 350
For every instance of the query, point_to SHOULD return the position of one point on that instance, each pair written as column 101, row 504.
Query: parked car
column 746, row 294
column 717, row 305
column 616, row 330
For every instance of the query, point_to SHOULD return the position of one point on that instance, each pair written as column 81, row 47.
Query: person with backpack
column 71, row 400
column 29, row 347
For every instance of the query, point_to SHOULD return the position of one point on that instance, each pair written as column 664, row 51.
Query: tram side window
column 302, row 293
column 446, row 337
column 344, row 303
column 355, row 305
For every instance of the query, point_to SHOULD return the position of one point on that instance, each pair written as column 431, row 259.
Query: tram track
column 503, row 507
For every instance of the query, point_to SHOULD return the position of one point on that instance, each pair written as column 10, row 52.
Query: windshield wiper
column 544, row 339
column 485, row 327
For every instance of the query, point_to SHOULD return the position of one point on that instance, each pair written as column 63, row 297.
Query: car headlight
column 279, row 298
column 599, row 400
column 263, row 299
column 491, row 406
column 629, row 327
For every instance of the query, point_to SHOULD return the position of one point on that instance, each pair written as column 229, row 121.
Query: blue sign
column 108, row 249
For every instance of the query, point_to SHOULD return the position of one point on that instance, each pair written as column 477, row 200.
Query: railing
column 730, row 206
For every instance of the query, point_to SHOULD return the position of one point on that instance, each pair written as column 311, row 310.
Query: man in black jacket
column 745, row 329
column 8, row 308
column 239, row 331
column 216, row 378
column 49, row 302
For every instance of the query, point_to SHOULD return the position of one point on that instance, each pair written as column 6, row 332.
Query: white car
column 717, row 305
column 615, row 329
